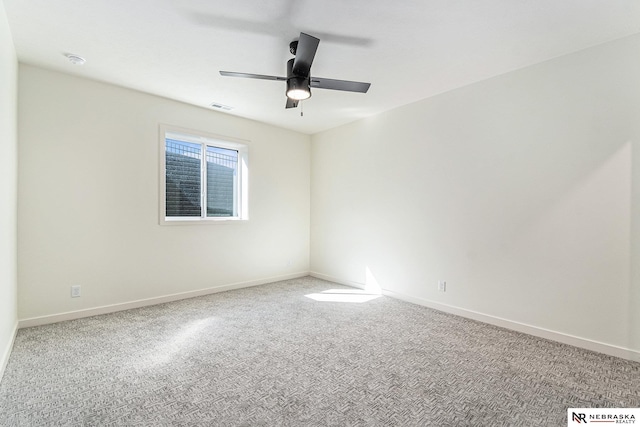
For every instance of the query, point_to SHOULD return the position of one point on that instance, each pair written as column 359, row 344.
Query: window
column 203, row 177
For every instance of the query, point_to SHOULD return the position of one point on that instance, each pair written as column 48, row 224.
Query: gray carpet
column 269, row 356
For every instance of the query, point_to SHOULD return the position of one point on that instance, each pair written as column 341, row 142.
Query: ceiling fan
column 299, row 80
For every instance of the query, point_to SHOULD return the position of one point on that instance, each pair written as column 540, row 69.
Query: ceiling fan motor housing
column 297, row 86
column 293, row 47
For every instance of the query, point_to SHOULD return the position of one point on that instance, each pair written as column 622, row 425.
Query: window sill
column 203, row 221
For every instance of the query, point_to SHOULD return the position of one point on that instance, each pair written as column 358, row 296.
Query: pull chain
column 301, row 109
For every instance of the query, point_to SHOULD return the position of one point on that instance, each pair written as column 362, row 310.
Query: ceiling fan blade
column 321, row 83
column 305, row 52
column 251, row 76
column 291, row 103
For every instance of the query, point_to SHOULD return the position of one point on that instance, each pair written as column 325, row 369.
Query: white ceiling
column 408, row 50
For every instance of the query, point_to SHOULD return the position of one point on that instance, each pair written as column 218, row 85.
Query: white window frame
column 241, row 198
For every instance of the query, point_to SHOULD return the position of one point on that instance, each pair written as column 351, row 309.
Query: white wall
column 516, row 190
column 88, row 199
column 8, row 189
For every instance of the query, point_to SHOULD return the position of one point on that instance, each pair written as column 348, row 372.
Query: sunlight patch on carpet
column 344, row 295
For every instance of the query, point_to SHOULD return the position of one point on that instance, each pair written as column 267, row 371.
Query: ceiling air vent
column 221, row 106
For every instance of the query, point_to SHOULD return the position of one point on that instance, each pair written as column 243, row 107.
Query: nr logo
column 579, row 418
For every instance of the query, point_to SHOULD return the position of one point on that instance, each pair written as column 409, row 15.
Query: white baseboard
column 6, row 352
column 609, row 349
column 70, row 315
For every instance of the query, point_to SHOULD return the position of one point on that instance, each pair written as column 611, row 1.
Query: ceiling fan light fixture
column 298, row 88
column 298, row 94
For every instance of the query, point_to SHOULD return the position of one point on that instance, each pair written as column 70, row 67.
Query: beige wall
column 8, row 189
column 518, row 191
column 88, row 199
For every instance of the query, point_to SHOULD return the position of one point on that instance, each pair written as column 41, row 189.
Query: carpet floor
column 271, row 356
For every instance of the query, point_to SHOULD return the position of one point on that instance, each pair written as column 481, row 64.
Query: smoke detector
column 75, row 59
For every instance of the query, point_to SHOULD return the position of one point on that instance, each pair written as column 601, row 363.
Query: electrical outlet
column 442, row 286
column 75, row 291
